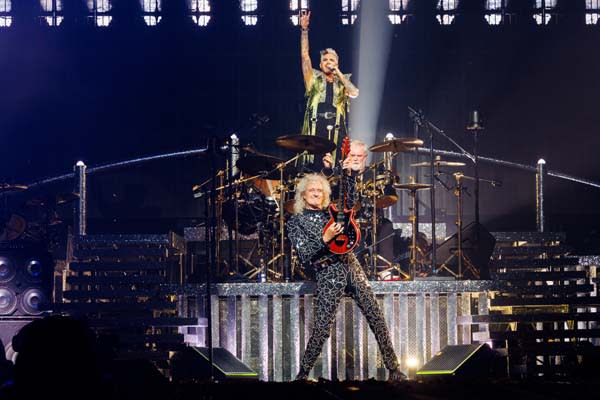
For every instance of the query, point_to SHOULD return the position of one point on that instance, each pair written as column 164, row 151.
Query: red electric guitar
column 349, row 238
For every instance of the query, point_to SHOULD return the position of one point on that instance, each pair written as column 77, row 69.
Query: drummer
column 358, row 164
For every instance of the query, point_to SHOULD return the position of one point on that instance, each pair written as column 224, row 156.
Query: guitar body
column 349, row 238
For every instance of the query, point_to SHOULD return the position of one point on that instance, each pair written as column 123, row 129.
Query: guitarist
column 336, row 274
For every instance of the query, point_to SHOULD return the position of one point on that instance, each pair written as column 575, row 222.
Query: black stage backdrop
column 103, row 95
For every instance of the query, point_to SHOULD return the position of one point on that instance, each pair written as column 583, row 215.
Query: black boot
column 395, row 376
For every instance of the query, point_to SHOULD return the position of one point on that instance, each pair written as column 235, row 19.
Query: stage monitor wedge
column 193, row 364
column 463, row 361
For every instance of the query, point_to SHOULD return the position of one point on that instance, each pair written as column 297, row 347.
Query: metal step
column 540, row 276
column 117, row 280
column 583, row 301
column 106, row 266
column 128, row 321
column 531, row 251
column 534, row 317
column 530, row 237
column 121, row 252
column 547, row 334
column 170, row 240
column 121, row 307
column 522, row 289
column 116, row 294
column 512, row 263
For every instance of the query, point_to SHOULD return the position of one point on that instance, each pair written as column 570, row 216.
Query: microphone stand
column 419, row 119
column 211, row 250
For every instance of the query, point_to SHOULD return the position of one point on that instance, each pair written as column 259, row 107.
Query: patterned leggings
column 332, row 282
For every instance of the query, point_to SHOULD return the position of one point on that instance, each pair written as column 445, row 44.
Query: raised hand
column 304, row 19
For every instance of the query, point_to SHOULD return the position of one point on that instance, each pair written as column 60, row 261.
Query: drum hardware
column 308, row 143
column 438, row 162
column 459, row 254
column 415, row 250
column 420, row 121
column 396, row 145
column 264, row 166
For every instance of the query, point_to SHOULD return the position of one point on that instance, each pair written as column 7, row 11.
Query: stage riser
column 269, row 332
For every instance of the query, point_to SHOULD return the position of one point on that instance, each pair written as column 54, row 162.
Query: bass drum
column 253, row 208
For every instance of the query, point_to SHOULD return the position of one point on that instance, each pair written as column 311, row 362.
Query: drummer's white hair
column 299, row 203
column 358, row 142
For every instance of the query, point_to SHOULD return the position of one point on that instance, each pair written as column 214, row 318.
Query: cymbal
column 396, row 145
column 309, row 143
column 386, row 200
column 9, row 187
column 412, row 186
column 257, row 164
column 439, row 163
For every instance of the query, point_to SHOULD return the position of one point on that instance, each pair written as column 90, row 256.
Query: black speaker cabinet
column 192, row 364
column 25, row 279
column 477, row 246
column 463, row 361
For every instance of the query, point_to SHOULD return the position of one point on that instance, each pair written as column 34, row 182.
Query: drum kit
column 257, row 202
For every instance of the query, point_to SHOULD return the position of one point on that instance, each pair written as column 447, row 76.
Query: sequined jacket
column 305, row 231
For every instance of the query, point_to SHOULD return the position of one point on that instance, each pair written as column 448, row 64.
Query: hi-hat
column 396, row 145
column 309, row 143
column 257, row 164
column 412, row 186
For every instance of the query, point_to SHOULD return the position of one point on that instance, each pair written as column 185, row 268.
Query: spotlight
column 412, row 364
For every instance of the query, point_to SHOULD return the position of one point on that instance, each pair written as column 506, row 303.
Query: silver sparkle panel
column 275, row 322
column 246, row 333
column 359, row 342
column 294, row 335
column 263, row 338
column 231, row 333
column 340, row 341
column 277, row 348
column 434, row 337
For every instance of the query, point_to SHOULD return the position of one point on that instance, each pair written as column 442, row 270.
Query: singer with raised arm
column 328, row 93
column 311, row 233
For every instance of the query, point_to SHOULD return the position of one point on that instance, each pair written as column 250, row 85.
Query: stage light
column 412, row 362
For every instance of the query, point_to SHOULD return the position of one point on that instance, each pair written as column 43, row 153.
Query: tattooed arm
column 307, row 71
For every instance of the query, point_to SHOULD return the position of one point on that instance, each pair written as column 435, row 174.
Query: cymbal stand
column 459, row 254
column 419, row 119
column 415, row 251
column 282, row 189
column 374, row 255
